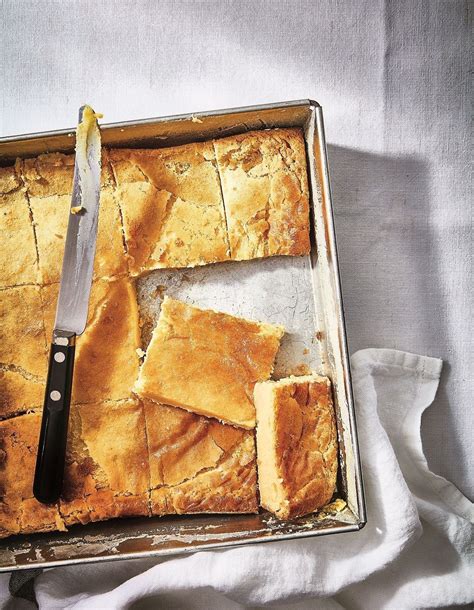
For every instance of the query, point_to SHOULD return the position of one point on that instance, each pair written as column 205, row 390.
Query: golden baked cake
column 23, row 350
column 296, row 445
column 172, row 209
column 48, row 179
column 208, row 362
column 19, row 391
column 20, row 512
column 107, row 473
column 48, row 174
column 265, row 191
column 106, row 362
column 198, row 465
column 17, row 244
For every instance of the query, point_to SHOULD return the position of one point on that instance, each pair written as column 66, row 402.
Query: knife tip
column 87, row 110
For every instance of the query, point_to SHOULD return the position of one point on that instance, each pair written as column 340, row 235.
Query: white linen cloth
column 415, row 551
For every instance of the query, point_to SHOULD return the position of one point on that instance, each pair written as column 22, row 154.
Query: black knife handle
column 51, row 456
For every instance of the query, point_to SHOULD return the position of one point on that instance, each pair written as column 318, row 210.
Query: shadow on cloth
column 389, row 265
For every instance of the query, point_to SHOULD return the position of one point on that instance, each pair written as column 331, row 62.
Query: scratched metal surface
column 274, row 290
column 303, row 294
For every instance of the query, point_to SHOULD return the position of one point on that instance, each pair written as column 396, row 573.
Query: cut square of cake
column 197, row 464
column 296, row 445
column 208, row 362
column 48, row 179
column 171, row 203
column 265, row 191
column 106, row 362
column 107, row 473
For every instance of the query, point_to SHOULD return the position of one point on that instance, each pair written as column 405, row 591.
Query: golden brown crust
column 52, row 174
column 265, row 190
column 48, row 174
column 17, row 244
column 19, row 511
column 23, row 350
column 9, row 180
column 198, row 464
column 107, row 472
column 296, row 445
column 208, row 362
column 171, row 205
column 48, row 179
column 20, row 391
column 106, row 362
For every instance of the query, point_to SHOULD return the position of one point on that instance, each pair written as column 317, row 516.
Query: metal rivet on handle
column 59, row 357
column 61, row 341
column 55, row 395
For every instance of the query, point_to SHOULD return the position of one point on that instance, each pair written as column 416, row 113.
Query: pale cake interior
column 272, row 494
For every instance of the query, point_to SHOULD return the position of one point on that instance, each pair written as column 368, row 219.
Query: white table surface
column 393, row 80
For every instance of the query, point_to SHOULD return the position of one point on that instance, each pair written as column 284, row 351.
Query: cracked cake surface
column 106, row 361
column 265, row 191
column 197, row 464
column 172, row 209
column 23, row 350
column 20, row 512
column 107, row 473
column 48, row 180
column 296, row 445
column 208, row 362
column 17, row 245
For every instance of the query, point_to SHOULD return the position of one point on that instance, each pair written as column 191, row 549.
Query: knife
column 72, row 307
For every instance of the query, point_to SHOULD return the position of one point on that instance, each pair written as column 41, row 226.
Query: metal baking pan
column 302, row 293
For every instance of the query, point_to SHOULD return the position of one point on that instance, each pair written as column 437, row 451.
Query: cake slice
column 23, row 350
column 198, row 465
column 172, row 209
column 296, row 445
column 265, row 191
column 20, row 512
column 107, row 473
column 208, row 362
column 48, row 179
column 106, row 363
